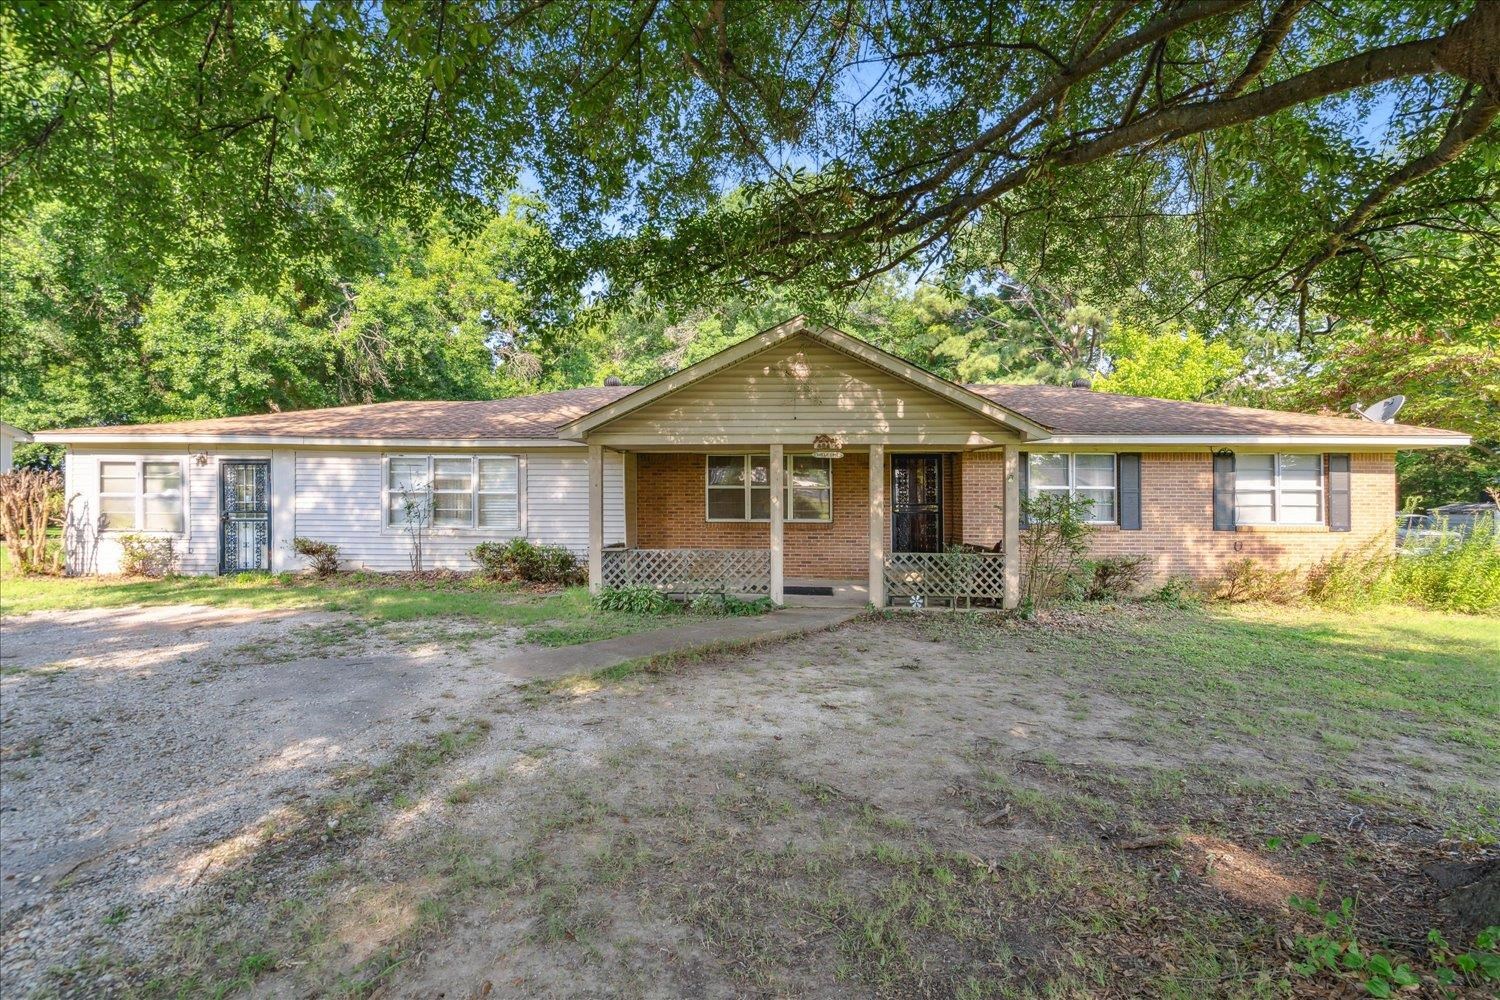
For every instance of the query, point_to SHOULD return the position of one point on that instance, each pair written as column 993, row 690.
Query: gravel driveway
column 140, row 743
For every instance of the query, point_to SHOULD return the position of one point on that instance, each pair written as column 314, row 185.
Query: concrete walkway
column 591, row 657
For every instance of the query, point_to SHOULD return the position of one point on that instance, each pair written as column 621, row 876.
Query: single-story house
column 801, row 458
column 10, row 436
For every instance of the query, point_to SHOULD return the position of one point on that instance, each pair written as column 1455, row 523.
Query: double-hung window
column 141, row 495
column 1278, row 489
column 1082, row 476
column 739, row 488
column 453, row 491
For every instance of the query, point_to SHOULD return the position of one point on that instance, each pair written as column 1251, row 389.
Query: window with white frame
column 1278, row 489
column 738, row 488
column 454, row 491
column 141, row 495
column 1082, row 476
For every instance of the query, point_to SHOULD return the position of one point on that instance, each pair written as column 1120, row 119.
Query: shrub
column 1352, row 576
column 1053, row 543
column 1107, row 579
column 720, row 603
column 1458, row 574
column 1461, row 576
column 147, row 555
column 1247, row 580
column 30, row 499
column 520, row 559
column 324, row 555
column 1177, row 592
column 634, row 601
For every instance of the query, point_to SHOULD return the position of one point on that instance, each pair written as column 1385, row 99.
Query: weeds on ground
column 1336, row 951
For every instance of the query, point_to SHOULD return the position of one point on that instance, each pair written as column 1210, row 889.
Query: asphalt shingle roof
column 1061, row 409
column 1069, row 410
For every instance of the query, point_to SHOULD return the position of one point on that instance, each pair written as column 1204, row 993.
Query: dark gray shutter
column 1338, row 493
column 1129, row 465
column 1021, row 488
column 1223, row 491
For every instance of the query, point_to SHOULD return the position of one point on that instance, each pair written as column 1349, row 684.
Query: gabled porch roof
column 860, row 353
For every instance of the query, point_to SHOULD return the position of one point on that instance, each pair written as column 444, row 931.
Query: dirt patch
column 916, row 807
column 146, row 749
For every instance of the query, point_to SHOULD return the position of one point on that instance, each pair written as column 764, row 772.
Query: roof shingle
column 537, row 416
column 1068, row 410
column 1063, row 410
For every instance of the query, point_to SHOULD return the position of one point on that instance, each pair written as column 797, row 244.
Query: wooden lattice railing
column 690, row 571
column 944, row 576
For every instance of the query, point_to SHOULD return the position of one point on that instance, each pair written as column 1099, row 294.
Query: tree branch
column 1468, row 128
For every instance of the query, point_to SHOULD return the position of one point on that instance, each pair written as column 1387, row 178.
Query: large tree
column 1311, row 147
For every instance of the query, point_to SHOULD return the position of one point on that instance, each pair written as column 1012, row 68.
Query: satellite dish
column 1383, row 412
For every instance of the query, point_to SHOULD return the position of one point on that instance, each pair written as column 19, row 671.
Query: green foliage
column 1053, row 541
column 1249, row 579
column 1177, row 592
column 1449, row 370
column 1107, row 579
column 1464, row 576
column 721, row 604
column 634, row 601
column 521, row 559
column 1457, row 573
column 1336, row 951
column 324, row 555
column 447, row 314
column 147, row 555
column 1169, row 364
column 1477, row 965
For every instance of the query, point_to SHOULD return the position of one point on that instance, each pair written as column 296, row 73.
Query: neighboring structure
column 10, row 436
column 800, row 458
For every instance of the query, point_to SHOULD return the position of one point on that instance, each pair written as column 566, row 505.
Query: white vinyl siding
column 190, row 518
column 1278, row 489
column 341, row 497
column 823, row 390
column 1084, row 476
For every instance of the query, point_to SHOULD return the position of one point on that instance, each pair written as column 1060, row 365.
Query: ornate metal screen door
column 245, row 519
column 916, row 503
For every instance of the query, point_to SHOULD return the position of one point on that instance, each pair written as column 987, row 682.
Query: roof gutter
column 1403, row 441
column 268, row 441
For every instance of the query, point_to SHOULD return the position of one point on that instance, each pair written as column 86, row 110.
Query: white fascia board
column 1403, row 441
column 126, row 440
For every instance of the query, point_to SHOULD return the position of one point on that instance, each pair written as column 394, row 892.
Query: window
column 739, row 488
column 141, row 495
column 1083, row 476
column 1278, row 489
column 454, row 491
column 810, row 481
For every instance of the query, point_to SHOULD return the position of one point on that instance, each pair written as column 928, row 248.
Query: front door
column 916, row 503
column 245, row 516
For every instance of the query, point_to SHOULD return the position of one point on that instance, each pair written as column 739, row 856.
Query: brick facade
column 982, row 498
column 670, row 514
column 1177, row 516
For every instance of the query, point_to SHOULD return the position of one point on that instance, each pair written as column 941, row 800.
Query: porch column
column 630, row 494
column 596, row 518
column 877, row 525
column 1011, row 541
column 778, row 520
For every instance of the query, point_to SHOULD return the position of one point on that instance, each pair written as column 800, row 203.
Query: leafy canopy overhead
column 1311, row 149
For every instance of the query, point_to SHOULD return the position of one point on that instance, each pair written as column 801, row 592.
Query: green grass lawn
column 551, row 617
